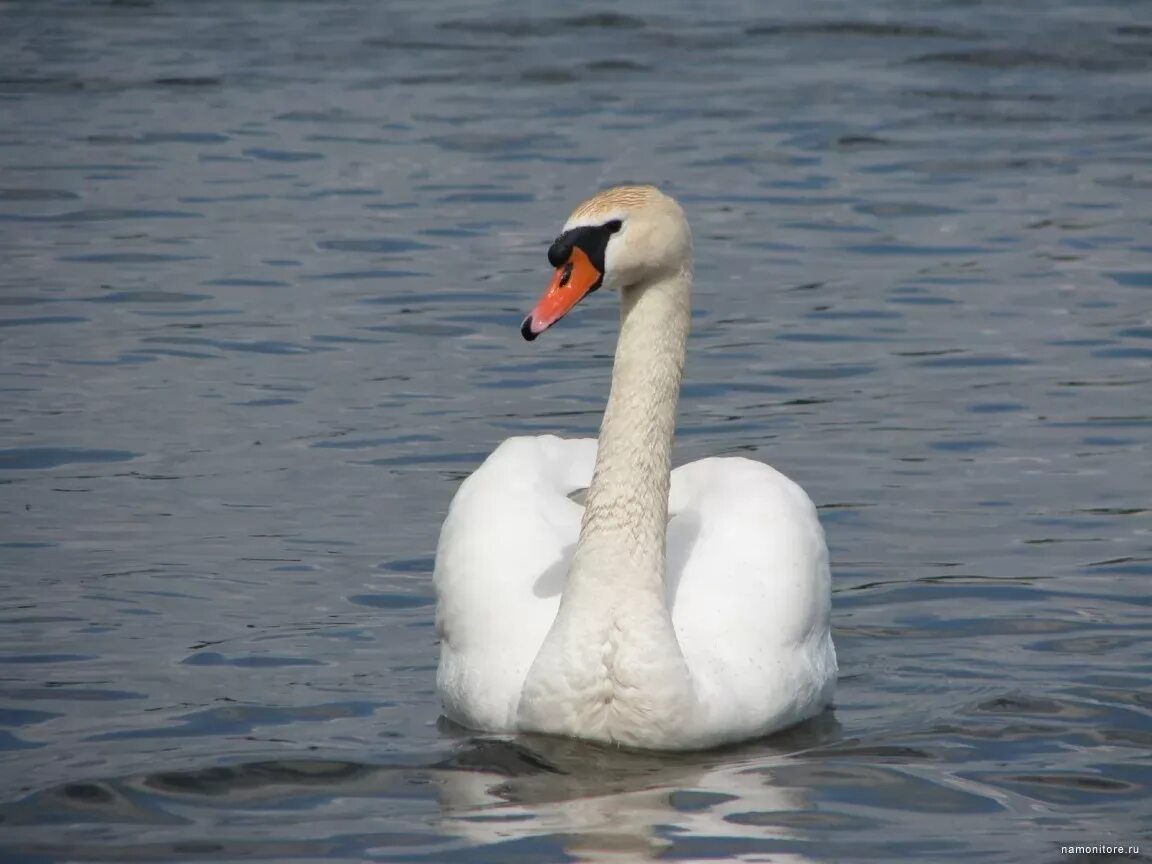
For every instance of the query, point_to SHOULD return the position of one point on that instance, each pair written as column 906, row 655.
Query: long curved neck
column 622, row 538
column 611, row 668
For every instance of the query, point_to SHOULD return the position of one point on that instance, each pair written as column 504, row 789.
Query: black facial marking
column 593, row 239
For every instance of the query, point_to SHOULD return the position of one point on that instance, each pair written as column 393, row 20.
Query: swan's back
column 749, row 589
column 501, row 563
column 747, row 586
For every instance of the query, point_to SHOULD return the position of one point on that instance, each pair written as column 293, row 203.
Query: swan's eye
column 613, row 226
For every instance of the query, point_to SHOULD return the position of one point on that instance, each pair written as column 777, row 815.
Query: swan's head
column 622, row 237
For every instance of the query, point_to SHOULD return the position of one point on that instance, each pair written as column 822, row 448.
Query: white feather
column 697, row 610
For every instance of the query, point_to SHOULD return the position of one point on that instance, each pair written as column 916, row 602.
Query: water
column 264, row 266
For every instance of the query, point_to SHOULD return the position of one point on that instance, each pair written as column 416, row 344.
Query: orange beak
column 573, row 280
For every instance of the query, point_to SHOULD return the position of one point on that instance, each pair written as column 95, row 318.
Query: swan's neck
column 620, row 553
column 611, row 668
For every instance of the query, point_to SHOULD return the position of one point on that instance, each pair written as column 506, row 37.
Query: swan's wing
column 749, row 586
column 501, row 565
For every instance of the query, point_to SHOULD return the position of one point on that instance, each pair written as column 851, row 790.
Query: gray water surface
column 262, row 267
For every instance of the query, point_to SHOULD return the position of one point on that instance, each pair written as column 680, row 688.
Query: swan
column 661, row 609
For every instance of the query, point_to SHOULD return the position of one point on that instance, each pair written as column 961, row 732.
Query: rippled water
column 263, row 270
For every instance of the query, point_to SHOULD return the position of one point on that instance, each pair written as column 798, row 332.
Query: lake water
column 263, row 268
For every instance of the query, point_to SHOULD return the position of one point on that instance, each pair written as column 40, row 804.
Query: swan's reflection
column 598, row 804
column 613, row 805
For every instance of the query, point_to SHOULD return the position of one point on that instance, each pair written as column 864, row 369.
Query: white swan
column 676, row 610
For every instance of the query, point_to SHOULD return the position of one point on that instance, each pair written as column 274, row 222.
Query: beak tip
column 526, row 330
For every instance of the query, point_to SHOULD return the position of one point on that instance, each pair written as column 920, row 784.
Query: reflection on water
column 264, row 267
column 538, row 797
column 564, row 797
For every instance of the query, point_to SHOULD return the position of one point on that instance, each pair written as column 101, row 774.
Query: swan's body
column 675, row 610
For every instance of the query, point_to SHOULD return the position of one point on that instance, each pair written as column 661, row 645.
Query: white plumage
column 695, row 602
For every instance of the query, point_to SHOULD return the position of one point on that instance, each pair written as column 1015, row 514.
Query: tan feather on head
column 616, row 198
